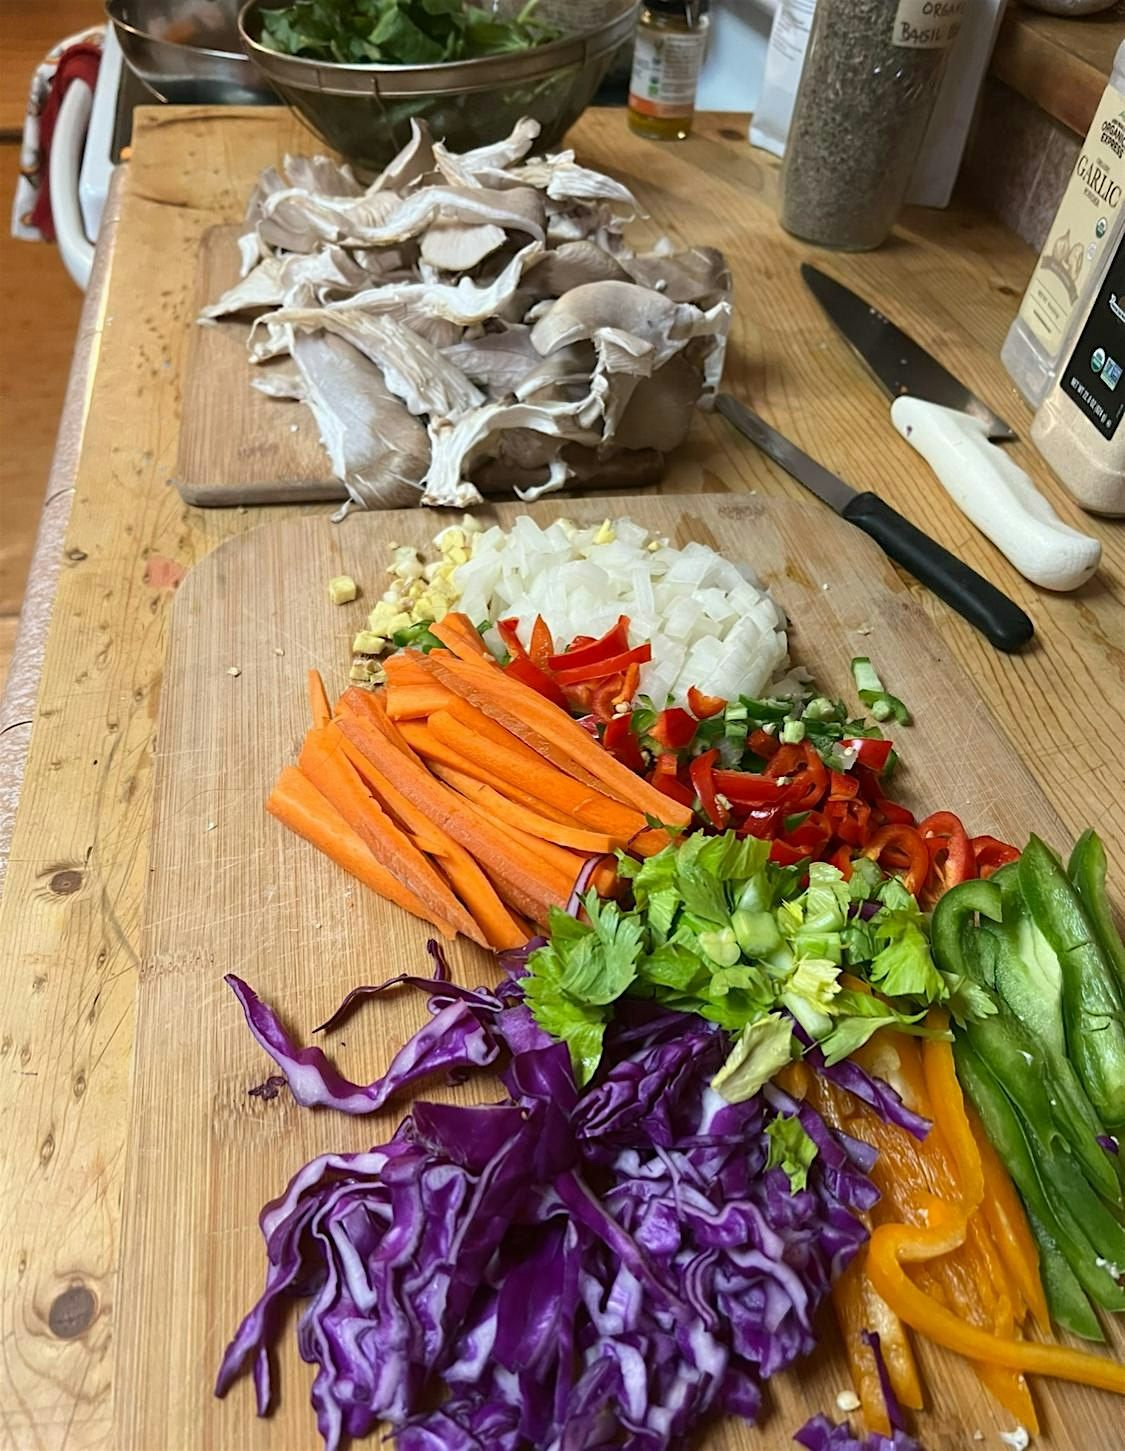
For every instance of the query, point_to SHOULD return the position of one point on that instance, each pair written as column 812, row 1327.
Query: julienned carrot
column 403, row 668
column 297, row 804
column 460, row 636
column 326, row 766
column 600, row 813
column 548, row 729
column 504, row 809
column 319, row 708
column 562, row 871
column 527, row 886
column 415, row 702
column 552, row 858
column 482, row 725
column 465, row 876
column 424, row 743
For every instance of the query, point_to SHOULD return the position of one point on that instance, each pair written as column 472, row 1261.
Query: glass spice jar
column 667, row 56
column 870, row 81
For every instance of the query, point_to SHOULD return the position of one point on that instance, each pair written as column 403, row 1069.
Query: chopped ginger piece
column 342, row 590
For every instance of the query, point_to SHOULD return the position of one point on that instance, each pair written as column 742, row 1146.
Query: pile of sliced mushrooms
column 475, row 323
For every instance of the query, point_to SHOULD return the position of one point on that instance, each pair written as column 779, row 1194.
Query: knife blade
column 985, row 607
column 900, row 364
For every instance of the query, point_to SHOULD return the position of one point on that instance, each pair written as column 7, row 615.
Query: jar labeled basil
column 870, row 81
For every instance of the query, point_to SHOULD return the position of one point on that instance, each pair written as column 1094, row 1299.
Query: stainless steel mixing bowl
column 188, row 51
column 364, row 111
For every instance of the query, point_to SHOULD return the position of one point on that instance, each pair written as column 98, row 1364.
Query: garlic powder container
column 1080, row 426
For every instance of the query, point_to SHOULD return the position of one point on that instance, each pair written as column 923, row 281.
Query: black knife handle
column 984, row 606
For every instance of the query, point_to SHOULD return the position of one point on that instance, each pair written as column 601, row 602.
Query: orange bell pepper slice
column 895, row 1245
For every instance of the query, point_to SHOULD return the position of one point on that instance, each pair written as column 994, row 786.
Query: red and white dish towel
column 76, row 58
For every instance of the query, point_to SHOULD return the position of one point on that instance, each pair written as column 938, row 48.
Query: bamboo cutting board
column 231, row 891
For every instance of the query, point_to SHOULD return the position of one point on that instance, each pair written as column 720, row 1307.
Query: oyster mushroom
column 458, row 247
column 411, row 367
column 261, row 287
column 482, row 165
column 500, row 360
column 627, row 308
column 493, row 296
column 376, row 447
column 571, row 265
column 454, row 447
column 413, row 162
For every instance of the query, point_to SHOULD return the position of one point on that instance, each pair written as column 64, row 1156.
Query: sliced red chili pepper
column 673, row 728
column 521, row 668
column 605, row 698
column 509, row 633
column 585, row 651
column 842, row 787
column 620, row 742
column 665, row 778
column 745, row 789
column 629, row 685
column 841, row 859
column 704, row 706
column 762, row 743
column 851, row 821
column 812, row 835
column 542, row 646
column 991, row 854
column 702, row 772
column 809, row 775
column 579, row 698
column 869, row 751
column 899, row 848
column 760, row 821
column 601, row 669
column 786, row 855
column 872, row 792
column 951, row 854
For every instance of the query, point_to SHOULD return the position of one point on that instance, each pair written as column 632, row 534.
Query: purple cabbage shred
column 554, row 1271
column 821, row 1434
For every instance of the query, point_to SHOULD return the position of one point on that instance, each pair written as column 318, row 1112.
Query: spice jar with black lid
column 871, row 78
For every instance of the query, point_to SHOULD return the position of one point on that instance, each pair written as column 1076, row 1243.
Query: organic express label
column 927, row 24
column 1092, row 379
column 665, row 72
column 1084, row 220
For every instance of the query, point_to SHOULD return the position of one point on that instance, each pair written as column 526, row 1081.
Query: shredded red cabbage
column 820, row 1434
column 1108, row 1143
column 872, row 1091
column 552, row 1271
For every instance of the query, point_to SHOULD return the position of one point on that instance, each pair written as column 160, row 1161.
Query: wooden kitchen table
column 71, row 912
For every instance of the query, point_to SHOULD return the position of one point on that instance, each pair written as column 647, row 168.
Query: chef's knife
column 984, row 606
column 897, row 361
column 950, row 427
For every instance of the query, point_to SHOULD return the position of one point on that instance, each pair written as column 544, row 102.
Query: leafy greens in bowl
column 399, row 32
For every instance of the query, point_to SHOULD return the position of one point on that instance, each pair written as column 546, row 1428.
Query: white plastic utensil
column 996, row 494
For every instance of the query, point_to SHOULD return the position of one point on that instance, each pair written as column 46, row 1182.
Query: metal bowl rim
column 277, row 66
column 112, row 7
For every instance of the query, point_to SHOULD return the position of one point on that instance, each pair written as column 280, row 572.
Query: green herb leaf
column 790, row 1149
column 761, row 1050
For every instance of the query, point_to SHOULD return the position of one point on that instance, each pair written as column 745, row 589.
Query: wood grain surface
column 242, row 447
column 1060, row 63
column 231, row 891
column 70, row 915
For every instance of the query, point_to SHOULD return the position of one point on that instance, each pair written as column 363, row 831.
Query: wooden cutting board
column 237, row 446
column 231, row 891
